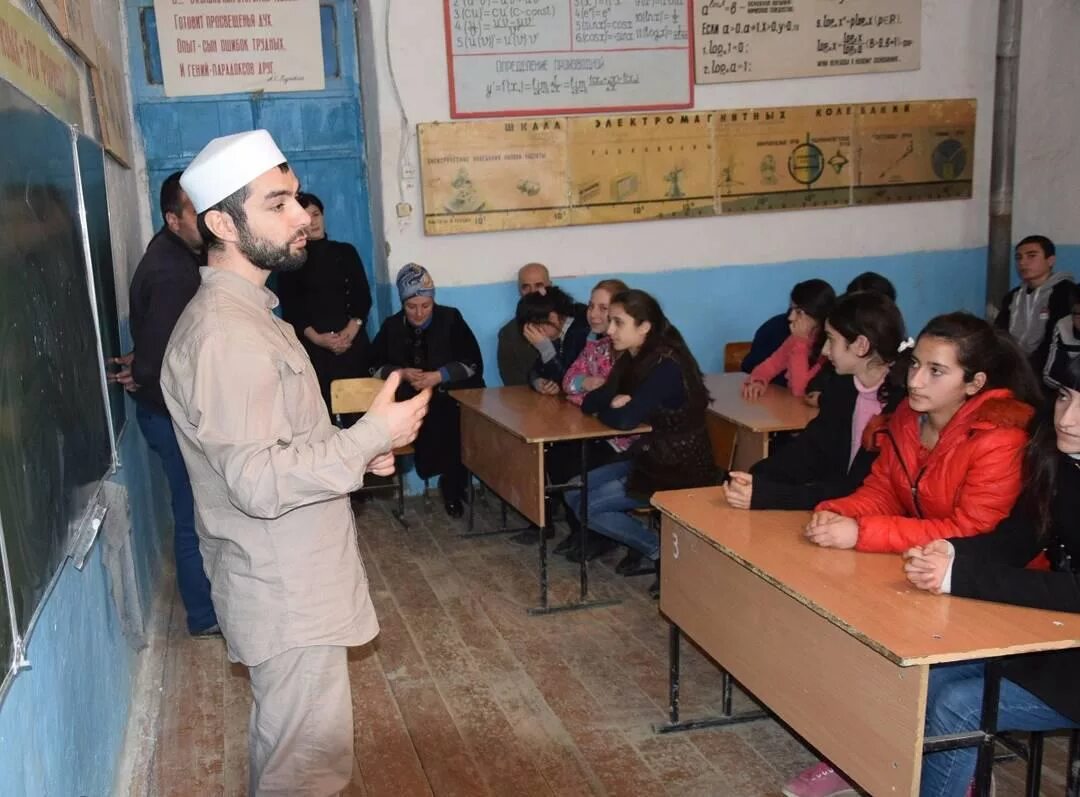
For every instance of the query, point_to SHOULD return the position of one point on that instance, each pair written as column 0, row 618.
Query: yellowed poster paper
column 783, row 158
column 503, row 175
column 914, row 151
column 211, row 47
column 644, row 166
column 56, row 11
column 37, row 67
column 739, row 40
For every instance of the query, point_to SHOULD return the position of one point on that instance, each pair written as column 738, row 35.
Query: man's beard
column 266, row 255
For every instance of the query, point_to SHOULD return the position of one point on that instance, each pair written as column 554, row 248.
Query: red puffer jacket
column 964, row 486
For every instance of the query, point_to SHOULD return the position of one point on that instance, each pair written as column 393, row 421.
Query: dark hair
column 662, row 341
column 815, row 298
column 306, row 200
column 612, row 286
column 1042, row 457
column 1043, row 242
column 872, row 281
column 981, row 347
column 233, row 205
column 534, row 308
column 169, row 200
column 876, row 317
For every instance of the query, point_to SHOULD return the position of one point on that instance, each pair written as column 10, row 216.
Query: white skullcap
column 226, row 165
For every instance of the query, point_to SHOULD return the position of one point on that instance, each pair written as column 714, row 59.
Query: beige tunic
column 270, row 475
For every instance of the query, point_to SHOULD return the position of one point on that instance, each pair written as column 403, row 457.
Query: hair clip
column 905, row 345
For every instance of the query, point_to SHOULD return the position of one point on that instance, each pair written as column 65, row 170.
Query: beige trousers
column 301, row 728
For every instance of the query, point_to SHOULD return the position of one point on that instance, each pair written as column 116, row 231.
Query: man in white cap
column 271, row 475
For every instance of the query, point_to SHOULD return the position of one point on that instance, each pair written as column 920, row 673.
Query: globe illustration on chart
column 949, row 159
column 806, row 163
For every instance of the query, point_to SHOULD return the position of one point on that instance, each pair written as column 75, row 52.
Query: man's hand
column 122, row 375
column 403, row 418
column 382, row 465
column 547, row 387
column 739, row 489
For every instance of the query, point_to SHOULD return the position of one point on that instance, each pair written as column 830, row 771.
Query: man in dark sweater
column 516, row 355
column 165, row 280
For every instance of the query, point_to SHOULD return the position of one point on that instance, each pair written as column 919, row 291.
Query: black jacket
column 165, row 281
column 813, row 467
column 331, row 288
column 567, row 349
column 991, row 567
column 446, row 342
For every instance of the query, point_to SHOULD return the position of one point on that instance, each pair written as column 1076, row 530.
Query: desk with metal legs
column 755, row 421
column 836, row 644
column 505, row 432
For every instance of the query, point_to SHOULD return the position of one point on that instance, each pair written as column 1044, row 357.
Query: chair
column 734, row 353
column 348, row 396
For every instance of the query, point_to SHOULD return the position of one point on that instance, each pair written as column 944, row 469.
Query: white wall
column 1047, row 195
column 958, row 42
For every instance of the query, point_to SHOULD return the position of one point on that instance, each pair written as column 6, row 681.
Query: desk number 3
column 674, row 546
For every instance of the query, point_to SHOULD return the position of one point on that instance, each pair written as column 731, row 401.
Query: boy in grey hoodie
column 1065, row 343
column 1030, row 311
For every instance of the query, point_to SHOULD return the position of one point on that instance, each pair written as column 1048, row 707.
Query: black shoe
column 453, row 507
column 595, row 545
column 654, row 590
column 629, row 563
column 528, row 537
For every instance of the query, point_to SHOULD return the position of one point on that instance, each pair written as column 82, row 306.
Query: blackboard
column 54, row 432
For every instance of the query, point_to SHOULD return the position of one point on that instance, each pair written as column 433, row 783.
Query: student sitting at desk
column 433, row 347
column 950, row 455
column 864, row 334
column 1039, row 692
column 556, row 327
column 588, row 372
column 800, row 355
column 655, row 380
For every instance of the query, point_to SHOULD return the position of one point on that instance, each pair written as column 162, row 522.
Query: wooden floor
column 465, row 694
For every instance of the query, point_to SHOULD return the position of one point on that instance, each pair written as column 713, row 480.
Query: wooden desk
column 776, row 411
column 835, row 643
column 504, row 431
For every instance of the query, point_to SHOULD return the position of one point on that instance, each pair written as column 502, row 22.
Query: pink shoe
column 820, row 780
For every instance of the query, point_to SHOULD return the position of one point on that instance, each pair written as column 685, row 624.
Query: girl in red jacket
column 950, row 462
column 950, row 455
column 799, row 357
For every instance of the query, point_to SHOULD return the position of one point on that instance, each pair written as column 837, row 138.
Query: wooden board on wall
column 80, row 29
column 480, row 176
column 634, row 168
column 109, row 88
column 32, row 63
column 739, row 41
column 558, row 171
column 56, row 11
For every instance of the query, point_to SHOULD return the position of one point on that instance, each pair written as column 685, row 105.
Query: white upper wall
column 1047, row 189
column 958, row 53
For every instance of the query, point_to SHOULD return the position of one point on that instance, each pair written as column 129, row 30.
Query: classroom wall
column 720, row 277
column 62, row 723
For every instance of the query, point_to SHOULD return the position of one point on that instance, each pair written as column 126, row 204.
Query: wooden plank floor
column 465, row 694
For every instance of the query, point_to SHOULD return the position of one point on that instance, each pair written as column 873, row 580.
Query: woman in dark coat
column 433, row 347
column 327, row 302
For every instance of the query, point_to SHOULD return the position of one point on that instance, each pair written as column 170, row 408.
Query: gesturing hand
column 382, row 465
column 403, row 418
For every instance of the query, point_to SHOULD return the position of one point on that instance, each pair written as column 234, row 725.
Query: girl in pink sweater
column 799, row 357
column 589, row 371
